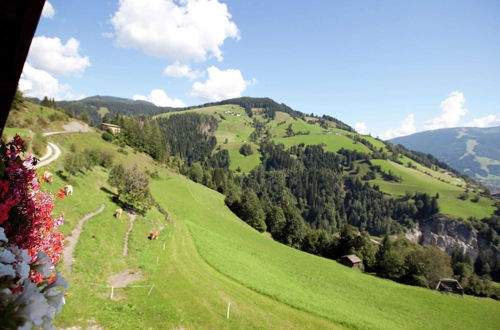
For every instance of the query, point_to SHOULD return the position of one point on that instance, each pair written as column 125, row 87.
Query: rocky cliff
column 448, row 233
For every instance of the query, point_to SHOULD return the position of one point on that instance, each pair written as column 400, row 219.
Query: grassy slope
column 211, row 258
column 333, row 142
column 188, row 293
column 316, row 285
column 238, row 129
column 416, row 181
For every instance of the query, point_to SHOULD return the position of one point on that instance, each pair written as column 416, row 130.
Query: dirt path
column 47, row 154
column 53, row 153
column 132, row 216
column 125, row 278
column 69, row 248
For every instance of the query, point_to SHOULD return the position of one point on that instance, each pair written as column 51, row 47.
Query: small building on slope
column 449, row 285
column 111, row 128
column 351, row 260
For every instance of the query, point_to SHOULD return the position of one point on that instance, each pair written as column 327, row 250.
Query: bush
column 107, row 136
column 246, row 150
column 132, row 186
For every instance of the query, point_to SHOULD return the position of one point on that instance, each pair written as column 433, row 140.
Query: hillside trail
column 69, row 248
column 132, row 215
column 53, row 151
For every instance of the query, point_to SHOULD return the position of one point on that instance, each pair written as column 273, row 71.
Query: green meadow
column 417, row 181
column 206, row 258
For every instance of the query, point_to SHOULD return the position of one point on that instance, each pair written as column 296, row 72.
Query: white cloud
column 452, row 110
column 51, row 55
column 361, row 128
column 39, row 83
column 488, row 121
column 108, row 35
column 220, row 85
column 179, row 30
column 48, row 11
column 178, row 70
column 407, row 127
column 160, row 99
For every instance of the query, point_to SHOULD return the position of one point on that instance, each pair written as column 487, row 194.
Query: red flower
column 25, row 211
column 61, row 194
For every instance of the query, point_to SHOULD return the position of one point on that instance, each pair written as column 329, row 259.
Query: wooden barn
column 351, row 260
column 449, row 285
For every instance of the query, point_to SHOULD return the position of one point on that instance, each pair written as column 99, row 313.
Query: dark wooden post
column 18, row 22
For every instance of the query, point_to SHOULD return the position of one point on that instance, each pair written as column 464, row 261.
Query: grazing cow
column 47, row 177
column 68, row 190
column 118, row 213
column 154, row 234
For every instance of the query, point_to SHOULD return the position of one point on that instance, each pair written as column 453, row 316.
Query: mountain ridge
column 473, row 151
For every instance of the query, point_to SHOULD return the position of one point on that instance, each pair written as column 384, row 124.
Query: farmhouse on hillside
column 111, row 128
column 449, row 285
column 351, row 260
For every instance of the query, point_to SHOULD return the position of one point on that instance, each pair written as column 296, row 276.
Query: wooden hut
column 449, row 285
column 351, row 260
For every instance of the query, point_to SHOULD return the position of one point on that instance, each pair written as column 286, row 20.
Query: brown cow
column 118, row 213
column 154, row 234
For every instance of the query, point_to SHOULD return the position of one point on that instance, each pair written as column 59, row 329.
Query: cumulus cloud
column 178, row 30
column 220, row 85
column 487, row 121
column 452, row 110
column 39, row 83
column 406, row 127
column 51, row 55
column 159, row 98
column 178, row 70
column 361, row 128
column 48, row 11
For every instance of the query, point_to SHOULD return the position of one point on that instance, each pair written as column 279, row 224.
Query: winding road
column 53, row 151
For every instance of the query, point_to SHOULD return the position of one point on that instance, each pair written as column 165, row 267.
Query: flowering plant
column 30, row 245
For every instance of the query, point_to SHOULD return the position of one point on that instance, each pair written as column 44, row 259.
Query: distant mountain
column 97, row 107
column 472, row 151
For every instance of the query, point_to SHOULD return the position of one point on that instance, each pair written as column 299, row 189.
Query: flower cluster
column 26, row 211
column 26, row 304
column 30, row 245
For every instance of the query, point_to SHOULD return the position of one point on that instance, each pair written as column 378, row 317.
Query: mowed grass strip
column 316, row 285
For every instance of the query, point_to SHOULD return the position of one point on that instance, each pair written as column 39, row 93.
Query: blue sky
column 388, row 68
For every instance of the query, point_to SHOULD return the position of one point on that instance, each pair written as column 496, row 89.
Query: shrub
column 107, row 136
column 246, row 150
column 132, row 186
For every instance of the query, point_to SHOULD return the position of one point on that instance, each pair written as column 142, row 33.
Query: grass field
column 416, row 181
column 332, row 142
column 178, row 272
column 318, row 286
column 207, row 258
